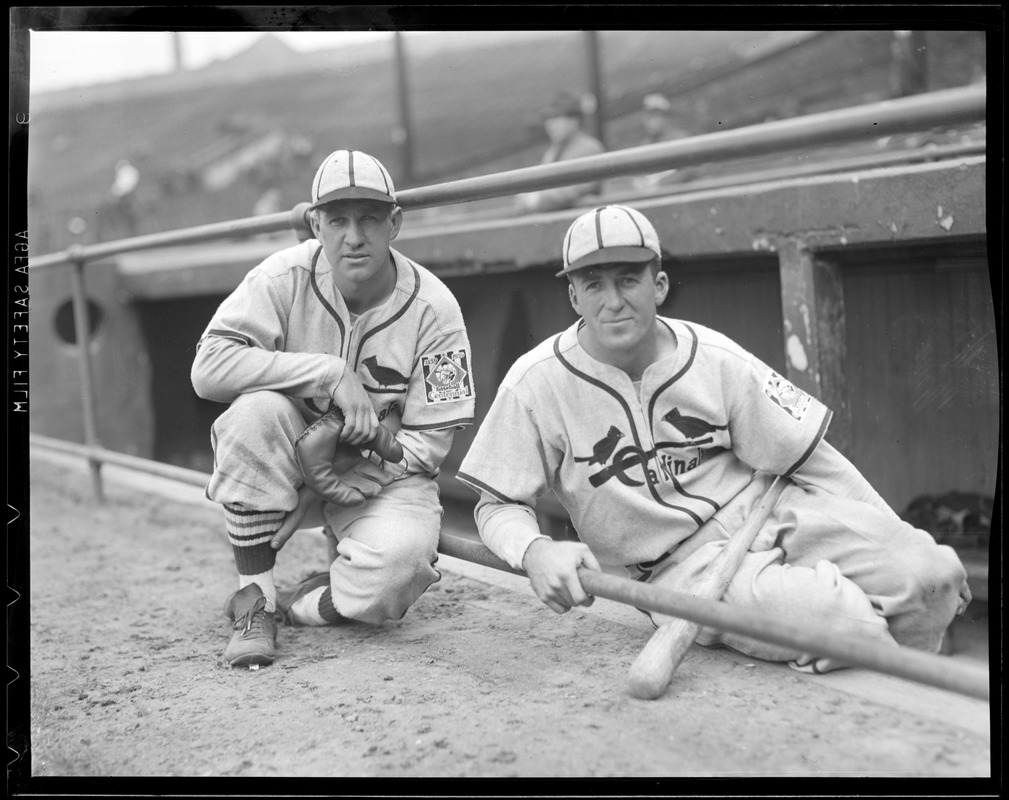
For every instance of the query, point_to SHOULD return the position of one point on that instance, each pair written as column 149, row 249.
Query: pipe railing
column 171, row 472
column 951, row 106
column 948, row 107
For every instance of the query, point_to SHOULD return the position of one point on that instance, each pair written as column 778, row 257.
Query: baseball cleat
column 254, row 640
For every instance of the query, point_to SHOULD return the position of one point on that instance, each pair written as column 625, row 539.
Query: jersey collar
column 403, row 291
column 572, row 350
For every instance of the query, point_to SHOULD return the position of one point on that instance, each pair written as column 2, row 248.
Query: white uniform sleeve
column 440, row 394
column 827, row 469
column 425, row 450
column 509, row 458
column 439, row 400
column 440, row 397
column 774, row 426
column 506, row 528
column 242, row 349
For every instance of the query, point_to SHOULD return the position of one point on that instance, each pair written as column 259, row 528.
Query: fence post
column 593, row 66
column 402, row 133
column 812, row 302
column 82, row 329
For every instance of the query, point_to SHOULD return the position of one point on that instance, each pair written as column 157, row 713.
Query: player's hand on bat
column 360, row 419
column 552, row 568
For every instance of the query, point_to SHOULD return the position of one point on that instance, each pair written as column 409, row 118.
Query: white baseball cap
column 609, row 235
column 351, row 175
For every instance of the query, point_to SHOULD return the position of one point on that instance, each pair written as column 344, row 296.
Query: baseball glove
column 339, row 473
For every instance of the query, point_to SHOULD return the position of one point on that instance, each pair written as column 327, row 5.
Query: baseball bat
column 902, row 662
column 653, row 669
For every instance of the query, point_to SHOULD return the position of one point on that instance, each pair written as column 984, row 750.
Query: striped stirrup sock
column 250, row 533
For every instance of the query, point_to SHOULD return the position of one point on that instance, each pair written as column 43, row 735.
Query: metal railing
column 949, row 107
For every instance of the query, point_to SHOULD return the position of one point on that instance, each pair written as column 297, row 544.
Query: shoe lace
column 252, row 621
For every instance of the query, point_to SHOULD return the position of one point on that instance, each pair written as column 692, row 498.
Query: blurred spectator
column 123, row 191
column 269, row 202
column 907, row 63
column 563, row 122
column 657, row 120
column 659, row 126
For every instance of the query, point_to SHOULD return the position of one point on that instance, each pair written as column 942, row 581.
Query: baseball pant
column 830, row 562
column 387, row 547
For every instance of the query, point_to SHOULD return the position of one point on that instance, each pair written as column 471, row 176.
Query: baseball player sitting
column 659, row 435
column 325, row 349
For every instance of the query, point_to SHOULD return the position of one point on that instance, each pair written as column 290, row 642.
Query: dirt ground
column 478, row 680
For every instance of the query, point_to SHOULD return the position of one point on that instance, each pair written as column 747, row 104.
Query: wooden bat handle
column 653, row 669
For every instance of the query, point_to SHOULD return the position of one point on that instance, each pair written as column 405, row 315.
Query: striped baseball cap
column 351, row 175
column 609, row 235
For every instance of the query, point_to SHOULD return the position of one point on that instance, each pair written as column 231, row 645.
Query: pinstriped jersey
column 411, row 352
column 639, row 469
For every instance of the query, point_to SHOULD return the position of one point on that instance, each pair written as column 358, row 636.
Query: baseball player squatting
column 341, row 321
column 651, row 430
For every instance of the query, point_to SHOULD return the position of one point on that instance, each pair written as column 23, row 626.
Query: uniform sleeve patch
column 447, row 377
column 787, row 396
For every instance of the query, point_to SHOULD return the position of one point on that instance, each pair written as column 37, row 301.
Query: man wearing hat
column 341, row 320
column 657, row 120
column 658, row 126
column 651, row 432
column 563, row 122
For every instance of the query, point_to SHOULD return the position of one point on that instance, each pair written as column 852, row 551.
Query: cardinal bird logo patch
column 603, row 449
column 384, row 376
column 446, row 376
column 691, row 427
column 787, row 396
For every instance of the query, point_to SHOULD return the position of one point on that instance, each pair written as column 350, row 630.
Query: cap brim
column 353, row 193
column 611, row 255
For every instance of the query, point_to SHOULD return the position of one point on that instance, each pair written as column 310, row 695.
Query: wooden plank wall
column 922, row 372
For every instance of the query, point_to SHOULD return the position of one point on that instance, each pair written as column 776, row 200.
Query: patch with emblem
column 446, row 377
column 787, row 396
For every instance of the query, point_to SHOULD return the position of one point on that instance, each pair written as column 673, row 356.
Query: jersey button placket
column 649, row 433
column 647, row 440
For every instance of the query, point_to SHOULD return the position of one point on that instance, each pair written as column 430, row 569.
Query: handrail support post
column 82, row 328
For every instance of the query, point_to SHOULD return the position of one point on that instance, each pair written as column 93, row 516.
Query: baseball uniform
column 655, row 475
column 274, row 350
